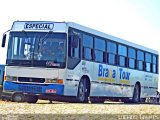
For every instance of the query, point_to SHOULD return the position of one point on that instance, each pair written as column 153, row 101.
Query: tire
column 136, row 94
column 18, row 97
column 83, row 91
column 31, row 98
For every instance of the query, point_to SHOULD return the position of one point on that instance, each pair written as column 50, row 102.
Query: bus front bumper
column 33, row 88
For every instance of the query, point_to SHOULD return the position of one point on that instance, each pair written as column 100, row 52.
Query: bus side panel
column 131, row 78
column 155, row 80
column 112, row 88
column 149, row 85
column 73, row 77
column 104, row 80
column 71, row 88
column 137, row 76
column 97, row 87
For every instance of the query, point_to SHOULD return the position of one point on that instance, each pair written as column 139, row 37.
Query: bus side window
column 148, row 61
column 131, row 58
column 100, row 46
column 140, row 60
column 122, row 52
column 112, row 53
column 154, row 64
column 88, row 52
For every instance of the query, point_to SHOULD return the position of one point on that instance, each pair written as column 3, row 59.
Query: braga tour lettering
column 104, row 72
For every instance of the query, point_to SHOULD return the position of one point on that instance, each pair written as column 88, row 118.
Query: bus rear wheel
column 83, row 91
column 31, row 98
column 136, row 94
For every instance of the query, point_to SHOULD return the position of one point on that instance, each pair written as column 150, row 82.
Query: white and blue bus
column 67, row 61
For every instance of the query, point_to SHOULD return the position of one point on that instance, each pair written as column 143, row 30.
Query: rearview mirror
column 75, row 41
column 4, row 40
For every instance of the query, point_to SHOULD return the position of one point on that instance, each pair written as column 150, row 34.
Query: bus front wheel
column 83, row 91
column 18, row 97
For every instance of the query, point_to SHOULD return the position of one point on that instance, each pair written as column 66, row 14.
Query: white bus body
column 88, row 69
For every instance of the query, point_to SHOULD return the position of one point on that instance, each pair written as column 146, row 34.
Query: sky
column 137, row 21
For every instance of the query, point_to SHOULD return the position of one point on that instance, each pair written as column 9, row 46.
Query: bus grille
column 30, row 89
column 36, row 80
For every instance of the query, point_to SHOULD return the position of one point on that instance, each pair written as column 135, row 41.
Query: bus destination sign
column 39, row 26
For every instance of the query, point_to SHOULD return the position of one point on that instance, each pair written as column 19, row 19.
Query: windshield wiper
column 40, row 41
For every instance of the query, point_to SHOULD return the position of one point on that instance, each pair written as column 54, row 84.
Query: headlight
column 9, row 78
column 59, row 81
column 50, row 80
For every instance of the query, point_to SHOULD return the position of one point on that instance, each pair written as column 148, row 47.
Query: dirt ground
column 59, row 110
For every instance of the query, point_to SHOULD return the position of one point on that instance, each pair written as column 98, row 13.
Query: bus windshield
column 41, row 49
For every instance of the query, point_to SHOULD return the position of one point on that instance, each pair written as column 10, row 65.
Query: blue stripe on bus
column 34, row 88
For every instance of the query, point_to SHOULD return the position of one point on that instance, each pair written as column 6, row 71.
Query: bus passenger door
column 74, row 67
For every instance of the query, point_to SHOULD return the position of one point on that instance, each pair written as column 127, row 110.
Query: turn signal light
column 4, row 78
column 60, row 81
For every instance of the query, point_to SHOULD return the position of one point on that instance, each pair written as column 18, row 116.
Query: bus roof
column 110, row 37
column 19, row 25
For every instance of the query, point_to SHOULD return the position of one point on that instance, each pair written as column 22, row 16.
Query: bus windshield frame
column 37, row 49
